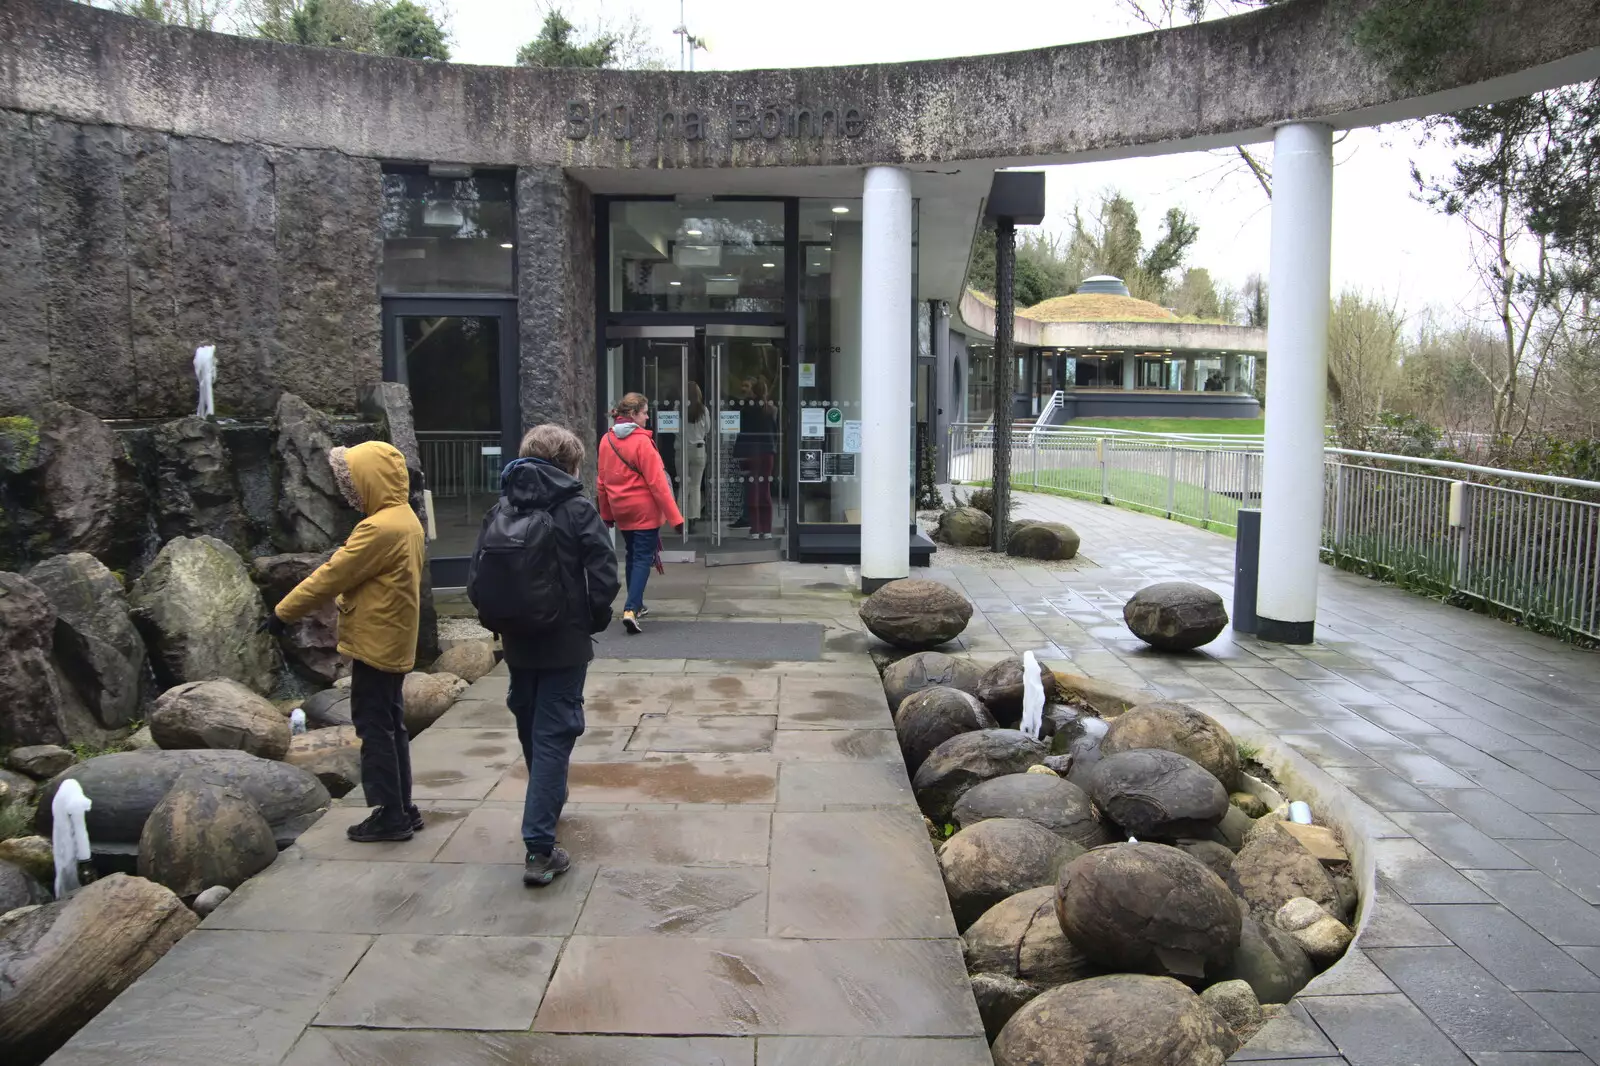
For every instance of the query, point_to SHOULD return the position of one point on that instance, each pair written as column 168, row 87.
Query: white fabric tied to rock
column 297, row 722
column 205, row 372
column 69, row 836
column 1032, row 696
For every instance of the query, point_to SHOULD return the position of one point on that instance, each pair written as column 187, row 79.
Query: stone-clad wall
column 555, row 313
column 121, row 250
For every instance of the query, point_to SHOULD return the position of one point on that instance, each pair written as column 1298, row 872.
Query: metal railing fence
column 1527, row 543
column 461, row 462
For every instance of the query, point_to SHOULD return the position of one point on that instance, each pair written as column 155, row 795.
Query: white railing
column 1057, row 398
column 1528, row 543
column 460, row 462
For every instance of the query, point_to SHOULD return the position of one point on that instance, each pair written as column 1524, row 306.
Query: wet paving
column 751, row 882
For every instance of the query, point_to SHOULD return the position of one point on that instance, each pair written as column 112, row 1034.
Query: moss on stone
column 19, row 443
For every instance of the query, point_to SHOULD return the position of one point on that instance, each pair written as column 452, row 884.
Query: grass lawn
column 1225, row 426
column 1137, row 492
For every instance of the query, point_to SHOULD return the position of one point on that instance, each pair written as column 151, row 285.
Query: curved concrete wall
column 1221, row 81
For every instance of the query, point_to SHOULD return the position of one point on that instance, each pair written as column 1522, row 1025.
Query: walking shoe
column 380, row 826
column 630, row 622
column 415, row 816
column 542, row 869
column 643, row 612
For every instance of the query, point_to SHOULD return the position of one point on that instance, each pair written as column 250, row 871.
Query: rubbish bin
column 1246, row 569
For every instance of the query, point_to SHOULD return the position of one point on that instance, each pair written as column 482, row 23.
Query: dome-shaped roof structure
column 1098, row 307
column 1103, row 284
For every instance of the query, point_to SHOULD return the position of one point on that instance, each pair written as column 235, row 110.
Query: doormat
column 753, row 640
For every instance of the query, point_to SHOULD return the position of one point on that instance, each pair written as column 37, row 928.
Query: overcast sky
column 1384, row 240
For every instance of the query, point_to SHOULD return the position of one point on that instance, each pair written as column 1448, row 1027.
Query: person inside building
column 635, row 497
column 376, row 576
column 696, row 431
column 570, row 584
column 757, row 446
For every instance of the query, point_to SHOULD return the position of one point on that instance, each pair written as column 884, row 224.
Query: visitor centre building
column 776, row 258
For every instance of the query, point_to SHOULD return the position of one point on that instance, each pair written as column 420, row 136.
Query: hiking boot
column 630, row 622
column 380, row 825
column 541, row 869
column 415, row 817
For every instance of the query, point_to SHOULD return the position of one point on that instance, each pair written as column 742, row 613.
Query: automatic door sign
column 728, row 421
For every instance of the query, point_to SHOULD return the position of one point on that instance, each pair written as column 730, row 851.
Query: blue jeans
column 642, row 544
column 548, row 707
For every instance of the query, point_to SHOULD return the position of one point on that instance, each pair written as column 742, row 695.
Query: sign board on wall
column 852, row 437
column 810, row 465
column 728, row 421
column 668, row 421
column 808, row 375
column 811, row 425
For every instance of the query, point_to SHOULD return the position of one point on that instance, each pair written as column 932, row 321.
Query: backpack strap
column 612, row 437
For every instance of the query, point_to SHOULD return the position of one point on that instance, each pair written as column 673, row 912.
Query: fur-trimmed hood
column 371, row 476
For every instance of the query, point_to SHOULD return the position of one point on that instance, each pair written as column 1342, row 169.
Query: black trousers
column 377, row 707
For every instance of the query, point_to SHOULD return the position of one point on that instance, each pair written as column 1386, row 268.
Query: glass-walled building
column 740, row 319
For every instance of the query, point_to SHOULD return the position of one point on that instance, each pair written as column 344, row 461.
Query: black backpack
column 514, row 579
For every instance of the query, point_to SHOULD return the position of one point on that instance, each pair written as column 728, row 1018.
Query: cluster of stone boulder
column 208, row 525
column 972, row 527
column 1126, row 891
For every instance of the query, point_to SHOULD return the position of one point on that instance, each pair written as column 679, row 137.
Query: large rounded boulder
column 967, row 760
column 219, row 714
column 1045, row 799
column 330, row 707
column 1050, row 541
column 201, row 835
column 1021, row 937
column 1157, row 794
column 1175, row 615
column 928, row 669
column 932, row 716
column 18, row 888
column 1148, row 908
column 311, row 645
column 333, row 754
column 916, row 615
column 199, row 613
column 964, row 527
column 1116, row 1020
column 126, row 786
column 1268, row 959
column 427, row 697
column 1001, row 689
column 469, row 660
column 60, row 964
column 996, row 859
column 1273, row 867
column 1173, row 726
column 99, row 651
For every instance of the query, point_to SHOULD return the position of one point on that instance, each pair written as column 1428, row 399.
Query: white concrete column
column 885, row 376
column 1297, row 351
column 844, row 292
column 1130, row 370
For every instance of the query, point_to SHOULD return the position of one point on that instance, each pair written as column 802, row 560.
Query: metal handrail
column 1532, row 550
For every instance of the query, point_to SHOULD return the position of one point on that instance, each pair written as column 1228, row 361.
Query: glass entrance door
column 716, row 395
column 458, row 358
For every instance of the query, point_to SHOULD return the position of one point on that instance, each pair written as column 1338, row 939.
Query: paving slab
column 656, row 778
column 1466, row 1001
column 703, row 733
column 220, row 996
column 878, row 1051
column 359, row 1047
column 1506, row 946
column 669, row 838
column 676, row 901
column 740, row 987
column 445, row 982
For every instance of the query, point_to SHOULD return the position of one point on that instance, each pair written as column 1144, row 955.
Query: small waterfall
column 1032, row 695
column 69, row 835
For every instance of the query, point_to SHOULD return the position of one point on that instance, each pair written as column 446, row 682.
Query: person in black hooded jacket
column 548, row 671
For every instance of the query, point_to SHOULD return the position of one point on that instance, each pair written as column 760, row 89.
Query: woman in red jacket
column 636, row 496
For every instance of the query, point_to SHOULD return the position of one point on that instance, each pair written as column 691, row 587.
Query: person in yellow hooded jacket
column 376, row 576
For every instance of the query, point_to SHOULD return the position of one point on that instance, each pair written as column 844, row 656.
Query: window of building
column 697, row 255
column 444, row 235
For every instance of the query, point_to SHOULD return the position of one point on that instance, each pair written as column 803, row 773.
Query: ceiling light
column 829, row 248
column 769, row 266
column 674, row 283
column 508, row 246
column 693, row 232
column 841, row 210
